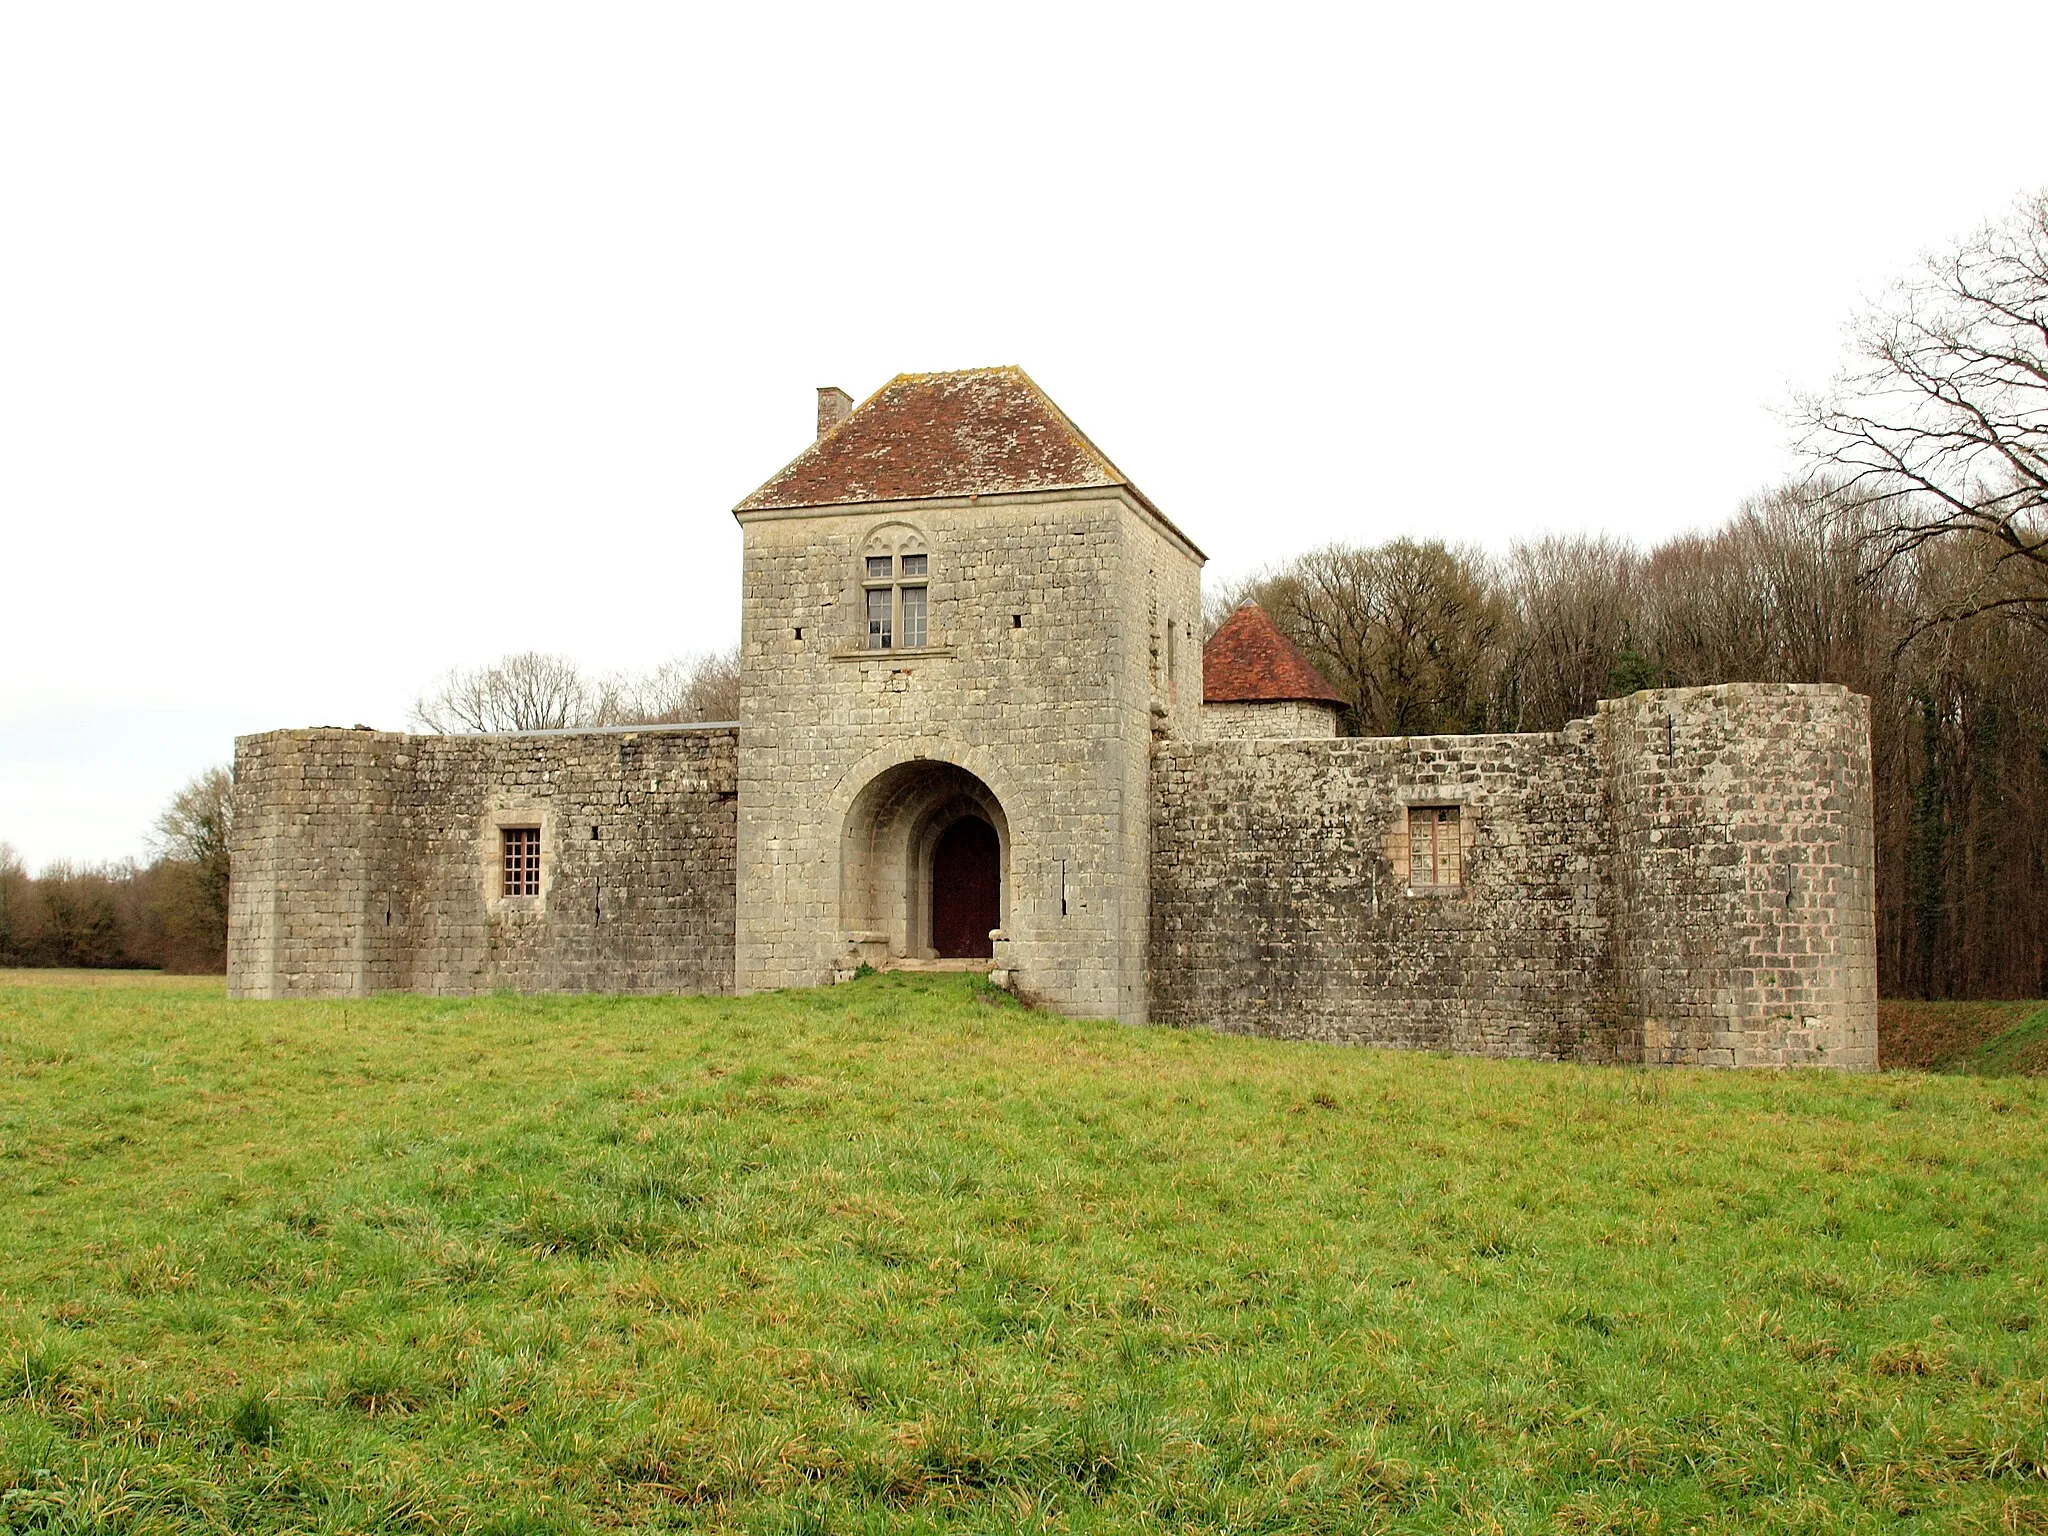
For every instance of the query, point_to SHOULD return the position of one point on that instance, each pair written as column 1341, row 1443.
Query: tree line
column 539, row 691
column 1909, row 562
column 170, row 913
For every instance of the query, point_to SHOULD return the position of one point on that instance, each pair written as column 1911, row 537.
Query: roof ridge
column 982, row 431
column 1116, row 476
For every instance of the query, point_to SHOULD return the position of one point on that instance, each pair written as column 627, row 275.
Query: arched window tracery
column 895, row 589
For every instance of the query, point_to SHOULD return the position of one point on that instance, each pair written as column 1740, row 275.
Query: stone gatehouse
column 974, row 728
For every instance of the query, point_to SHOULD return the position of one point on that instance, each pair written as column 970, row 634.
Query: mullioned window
column 896, row 595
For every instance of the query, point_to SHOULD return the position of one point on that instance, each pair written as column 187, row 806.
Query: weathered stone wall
column 311, row 842
column 1282, row 719
column 1061, row 639
column 365, row 861
column 1744, row 873
column 1685, row 879
column 1282, row 903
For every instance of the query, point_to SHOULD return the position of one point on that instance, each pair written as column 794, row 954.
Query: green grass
column 2021, row 1049
column 1984, row 1038
column 901, row 1256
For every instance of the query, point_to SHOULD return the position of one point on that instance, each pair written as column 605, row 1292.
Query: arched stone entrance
column 924, row 862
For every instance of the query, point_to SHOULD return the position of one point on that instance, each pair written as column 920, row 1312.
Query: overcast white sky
column 342, row 344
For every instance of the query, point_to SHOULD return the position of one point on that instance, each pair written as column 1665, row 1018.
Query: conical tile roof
column 1248, row 661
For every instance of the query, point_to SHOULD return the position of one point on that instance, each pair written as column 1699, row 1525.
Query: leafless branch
column 1942, row 420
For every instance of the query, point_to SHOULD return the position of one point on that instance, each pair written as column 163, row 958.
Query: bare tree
column 189, row 904
column 1773, row 595
column 682, row 691
column 529, row 691
column 533, row 691
column 200, row 819
column 1409, row 632
column 715, row 686
column 1573, row 603
column 1942, row 420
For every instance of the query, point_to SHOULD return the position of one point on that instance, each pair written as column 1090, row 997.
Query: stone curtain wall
column 1281, row 904
column 1686, row 879
column 366, row 861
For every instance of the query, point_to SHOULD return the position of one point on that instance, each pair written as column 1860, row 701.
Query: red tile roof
column 1248, row 661
column 979, row 432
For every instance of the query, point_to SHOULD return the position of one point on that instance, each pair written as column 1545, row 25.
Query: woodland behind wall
column 169, row 915
column 1425, row 638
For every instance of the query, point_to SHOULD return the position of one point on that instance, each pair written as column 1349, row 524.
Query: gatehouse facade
column 973, row 733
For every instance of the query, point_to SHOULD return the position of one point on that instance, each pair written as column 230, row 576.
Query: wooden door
column 966, row 890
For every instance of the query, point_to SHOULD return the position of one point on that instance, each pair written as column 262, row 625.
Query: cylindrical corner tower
column 1744, row 874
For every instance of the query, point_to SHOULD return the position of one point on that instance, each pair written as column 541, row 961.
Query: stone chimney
column 834, row 405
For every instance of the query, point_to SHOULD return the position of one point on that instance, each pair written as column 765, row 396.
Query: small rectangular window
column 913, row 617
column 1435, row 855
column 914, row 565
column 880, row 630
column 522, row 860
column 878, row 567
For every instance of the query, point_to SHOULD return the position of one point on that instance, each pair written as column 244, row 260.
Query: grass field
column 902, row 1256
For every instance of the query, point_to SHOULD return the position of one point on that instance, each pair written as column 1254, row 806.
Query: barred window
column 1435, row 856
column 522, row 861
